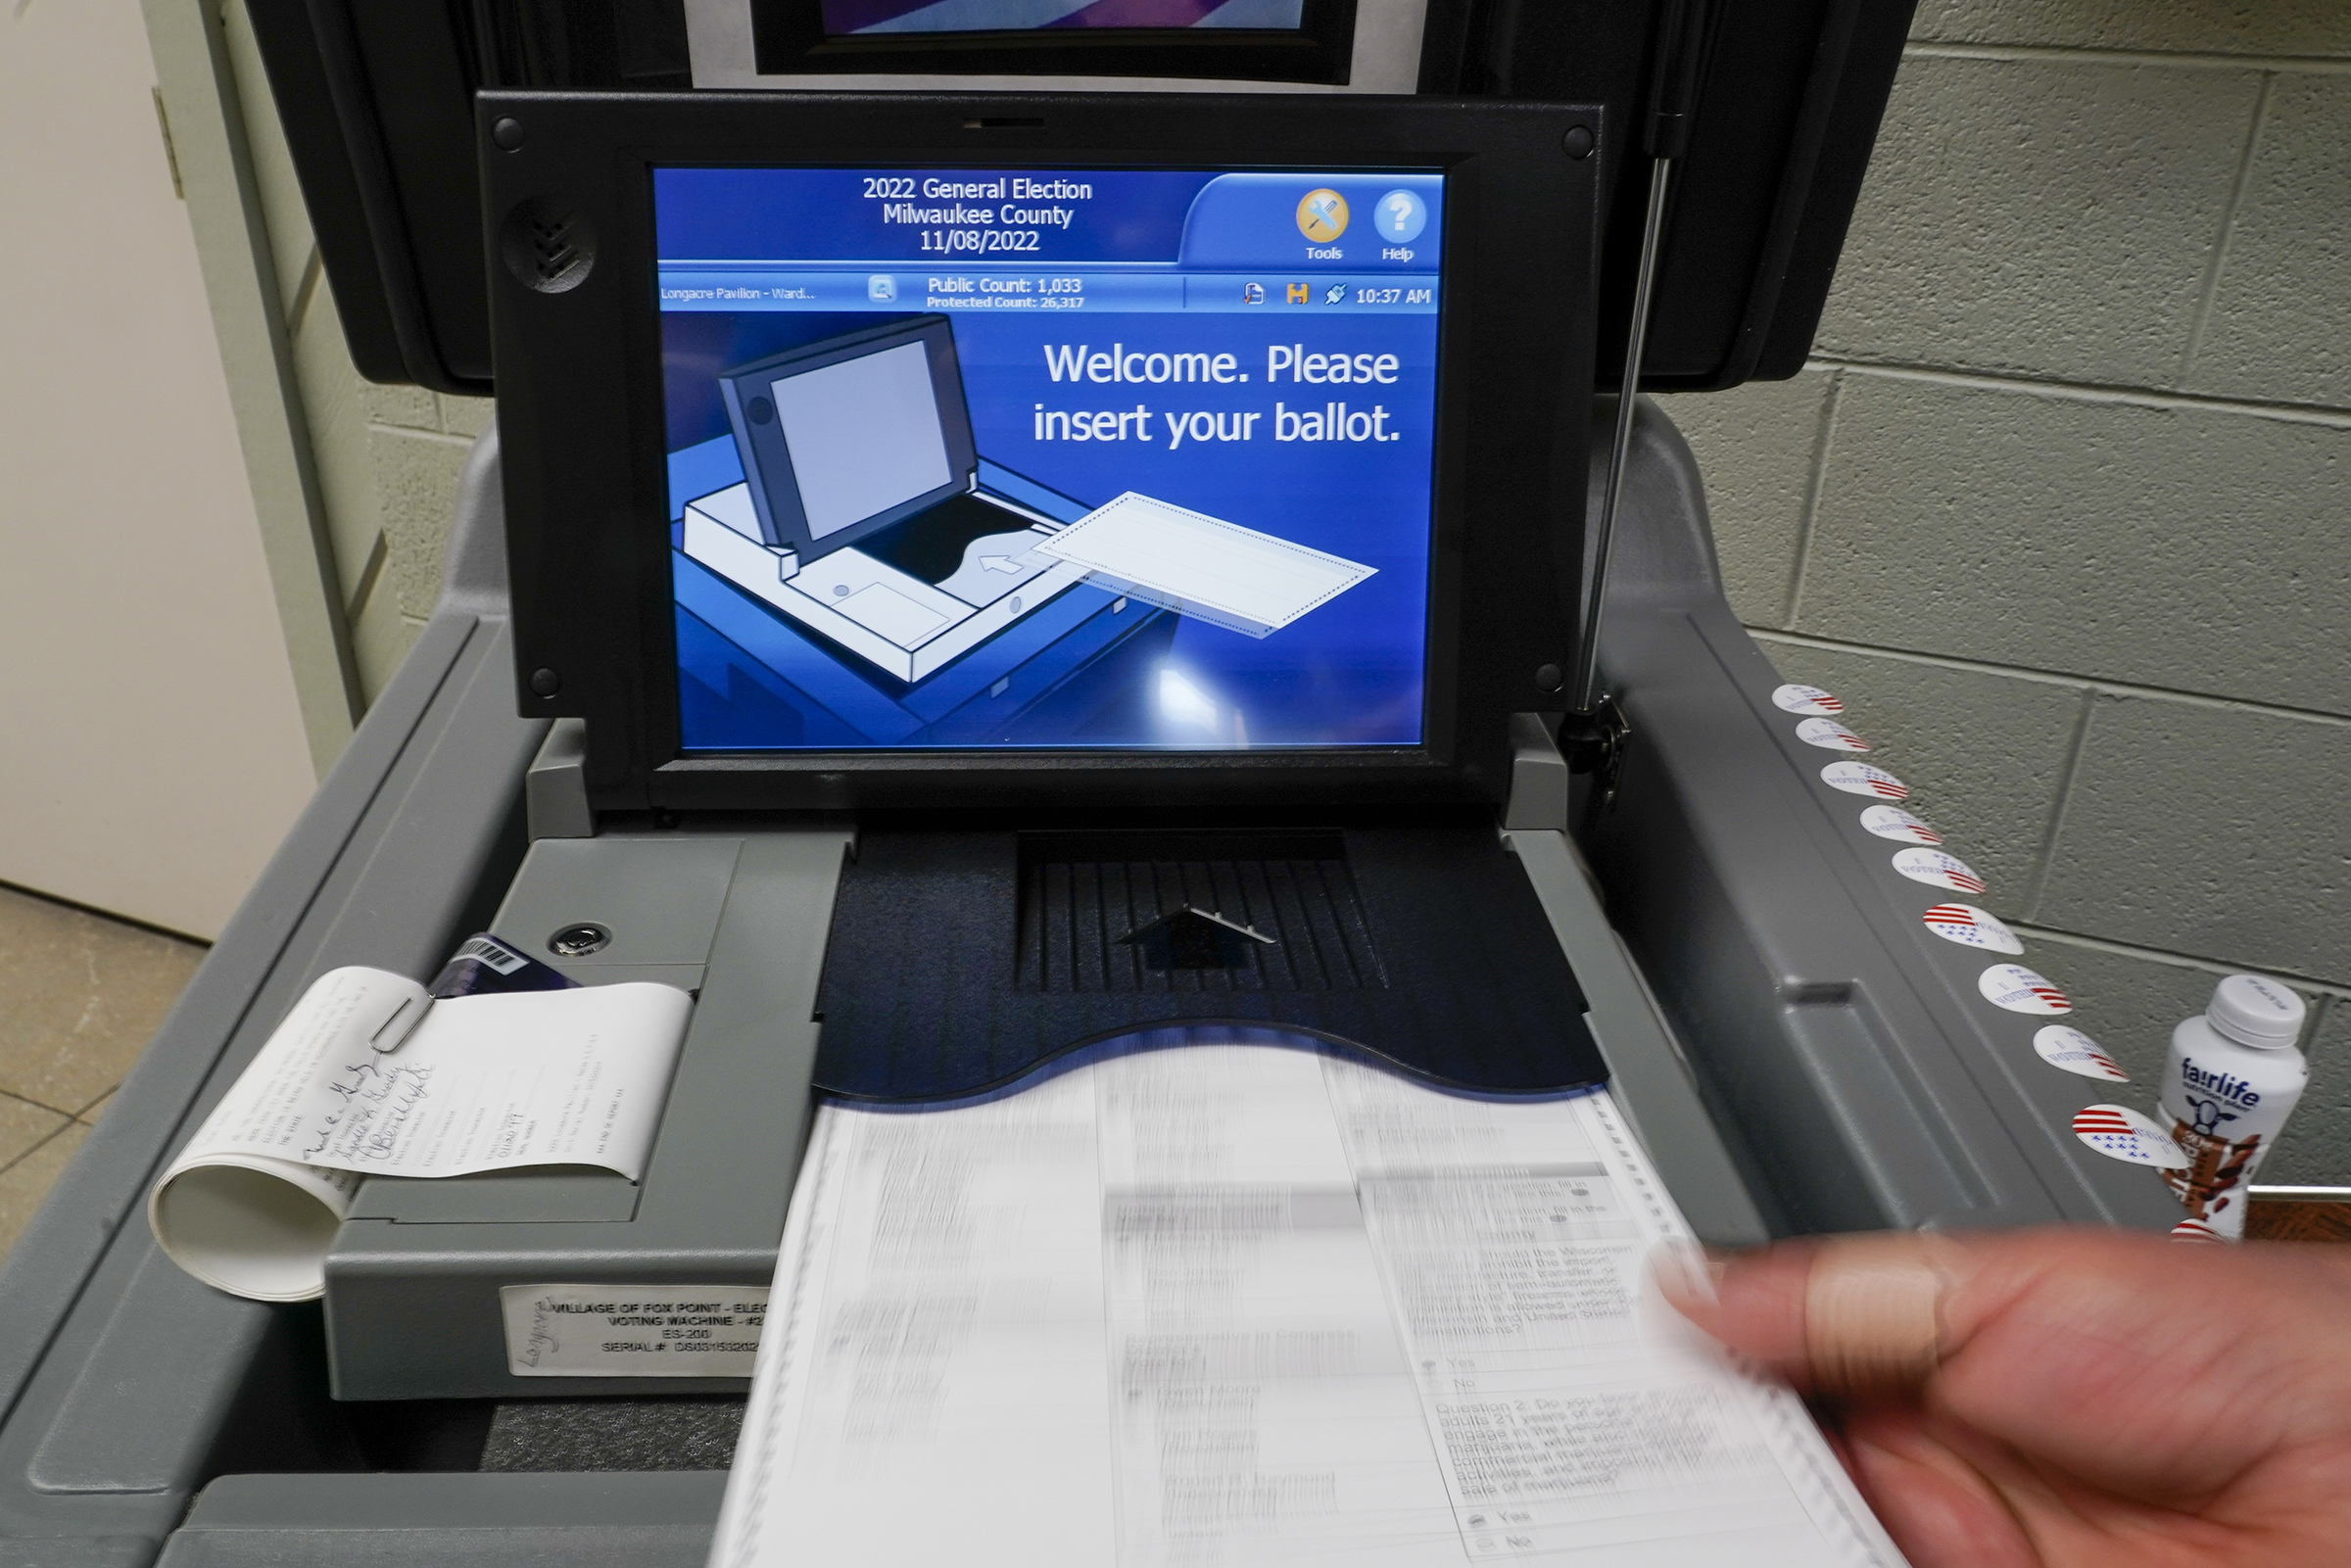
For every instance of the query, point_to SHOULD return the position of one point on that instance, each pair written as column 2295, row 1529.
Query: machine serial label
column 633, row 1330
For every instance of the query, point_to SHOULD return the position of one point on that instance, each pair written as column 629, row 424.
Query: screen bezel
column 585, row 464
column 788, row 38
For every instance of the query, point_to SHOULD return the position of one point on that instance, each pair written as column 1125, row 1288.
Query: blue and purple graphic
column 1078, row 459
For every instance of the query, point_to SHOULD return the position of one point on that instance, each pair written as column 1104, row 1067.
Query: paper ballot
column 1242, row 1305
column 370, row 1075
column 1203, row 566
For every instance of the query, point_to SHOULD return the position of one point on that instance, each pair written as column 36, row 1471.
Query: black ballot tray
column 960, row 960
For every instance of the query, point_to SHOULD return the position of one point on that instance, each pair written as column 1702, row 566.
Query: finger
column 1855, row 1317
column 1940, row 1508
column 1756, row 1305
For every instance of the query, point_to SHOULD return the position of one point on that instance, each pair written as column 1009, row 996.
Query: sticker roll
column 1892, row 821
column 251, row 1225
column 1937, row 869
column 2121, row 1133
column 1812, row 700
column 1860, row 778
column 1830, row 735
column 1971, row 927
column 2018, row 989
column 2069, row 1050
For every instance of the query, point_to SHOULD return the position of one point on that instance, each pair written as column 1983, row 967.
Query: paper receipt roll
column 370, row 1075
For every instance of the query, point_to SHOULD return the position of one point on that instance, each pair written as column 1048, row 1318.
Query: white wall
column 152, row 752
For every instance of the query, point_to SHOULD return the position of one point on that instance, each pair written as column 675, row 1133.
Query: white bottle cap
column 2252, row 1011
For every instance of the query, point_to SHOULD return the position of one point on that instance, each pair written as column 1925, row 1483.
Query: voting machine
column 1008, row 531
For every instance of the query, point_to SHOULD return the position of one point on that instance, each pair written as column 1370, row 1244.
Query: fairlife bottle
column 2232, row 1076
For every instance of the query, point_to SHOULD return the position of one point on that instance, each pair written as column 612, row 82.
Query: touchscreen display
column 1049, row 457
column 1021, row 16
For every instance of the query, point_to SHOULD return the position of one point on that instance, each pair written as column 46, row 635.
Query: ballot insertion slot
column 1144, row 911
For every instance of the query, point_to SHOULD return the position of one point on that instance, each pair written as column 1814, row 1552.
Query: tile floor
column 80, row 996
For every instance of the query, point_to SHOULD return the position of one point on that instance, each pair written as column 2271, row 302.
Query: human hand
column 2067, row 1397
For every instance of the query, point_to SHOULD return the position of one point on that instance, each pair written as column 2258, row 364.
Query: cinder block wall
column 2061, row 506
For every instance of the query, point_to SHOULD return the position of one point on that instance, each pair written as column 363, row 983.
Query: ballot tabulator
column 999, row 540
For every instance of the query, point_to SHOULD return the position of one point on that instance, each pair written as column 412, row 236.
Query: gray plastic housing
column 738, row 919
column 1860, row 1076
column 741, row 918
column 132, row 1393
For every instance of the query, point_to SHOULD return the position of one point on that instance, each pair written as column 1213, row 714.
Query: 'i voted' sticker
column 1937, row 870
column 2123, row 1134
column 1860, row 778
column 2197, row 1230
column 1892, row 822
column 1805, row 699
column 1829, row 733
column 2075, row 1052
column 1971, row 927
column 2020, row 991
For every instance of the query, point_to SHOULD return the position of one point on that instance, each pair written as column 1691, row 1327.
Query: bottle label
column 2215, row 1185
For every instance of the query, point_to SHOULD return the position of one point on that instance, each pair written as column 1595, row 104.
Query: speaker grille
column 548, row 246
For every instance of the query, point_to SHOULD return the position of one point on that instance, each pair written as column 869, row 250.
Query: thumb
column 1853, row 1316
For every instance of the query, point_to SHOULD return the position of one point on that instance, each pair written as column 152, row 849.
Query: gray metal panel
column 659, row 894
column 1864, row 1079
column 121, row 1390
column 556, row 791
column 164, row 1374
column 710, row 1208
column 496, row 1197
column 1649, row 1075
column 583, row 1520
column 1645, row 1074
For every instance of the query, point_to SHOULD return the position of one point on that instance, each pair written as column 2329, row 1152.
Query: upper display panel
column 1049, row 457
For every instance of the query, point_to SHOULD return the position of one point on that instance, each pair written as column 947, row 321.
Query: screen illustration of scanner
column 1074, row 459
column 1015, row 16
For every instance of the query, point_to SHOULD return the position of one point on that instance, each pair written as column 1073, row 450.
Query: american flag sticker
column 1892, row 822
column 1829, row 733
column 1860, row 778
column 2121, row 1133
column 1937, row 870
column 2020, row 991
column 1805, row 699
column 2072, row 1051
column 1971, row 927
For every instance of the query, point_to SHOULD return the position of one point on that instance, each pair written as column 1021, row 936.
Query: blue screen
column 1074, row 459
